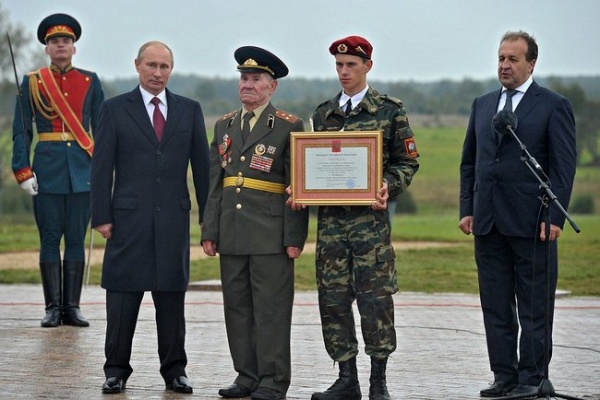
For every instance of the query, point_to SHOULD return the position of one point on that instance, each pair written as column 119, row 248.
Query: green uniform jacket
column 377, row 112
column 244, row 221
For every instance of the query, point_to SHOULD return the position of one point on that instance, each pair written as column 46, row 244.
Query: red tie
column 158, row 119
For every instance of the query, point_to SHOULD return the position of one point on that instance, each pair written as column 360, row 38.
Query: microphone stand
column 545, row 389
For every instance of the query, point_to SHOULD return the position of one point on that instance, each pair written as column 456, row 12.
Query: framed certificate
column 336, row 168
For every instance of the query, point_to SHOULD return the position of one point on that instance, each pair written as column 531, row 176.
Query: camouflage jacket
column 377, row 112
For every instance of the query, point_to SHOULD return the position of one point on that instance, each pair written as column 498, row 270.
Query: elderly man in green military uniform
column 354, row 255
column 247, row 222
column 63, row 103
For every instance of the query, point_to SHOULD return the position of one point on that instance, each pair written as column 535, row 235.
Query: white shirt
column 147, row 97
column 357, row 98
column 516, row 99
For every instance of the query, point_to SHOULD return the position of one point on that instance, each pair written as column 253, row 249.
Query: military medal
column 223, row 149
column 260, row 149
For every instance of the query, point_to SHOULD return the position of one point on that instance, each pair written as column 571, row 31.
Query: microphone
column 505, row 122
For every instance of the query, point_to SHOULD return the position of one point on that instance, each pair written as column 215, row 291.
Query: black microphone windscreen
column 503, row 120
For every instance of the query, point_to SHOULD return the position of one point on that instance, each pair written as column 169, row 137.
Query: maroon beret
column 353, row 45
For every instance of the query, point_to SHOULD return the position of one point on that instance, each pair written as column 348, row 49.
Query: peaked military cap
column 255, row 59
column 353, row 45
column 58, row 25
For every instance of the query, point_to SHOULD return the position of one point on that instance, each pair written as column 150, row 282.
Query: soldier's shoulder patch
column 227, row 116
column 286, row 116
column 394, row 100
column 411, row 147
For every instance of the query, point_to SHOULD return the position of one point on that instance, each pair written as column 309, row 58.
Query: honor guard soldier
column 257, row 236
column 62, row 102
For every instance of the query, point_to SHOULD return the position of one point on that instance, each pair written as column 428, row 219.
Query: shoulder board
column 227, row 116
column 285, row 116
column 394, row 100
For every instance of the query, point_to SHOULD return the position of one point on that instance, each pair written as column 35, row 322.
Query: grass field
column 435, row 190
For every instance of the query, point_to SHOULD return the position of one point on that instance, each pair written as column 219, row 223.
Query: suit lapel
column 528, row 102
column 174, row 112
column 137, row 110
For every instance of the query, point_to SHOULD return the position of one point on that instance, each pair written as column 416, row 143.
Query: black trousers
column 513, row 291
column 122, row 309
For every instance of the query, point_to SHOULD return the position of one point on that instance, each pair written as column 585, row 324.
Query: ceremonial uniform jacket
column 60, row 166
column 377, row 112
column 242, row 220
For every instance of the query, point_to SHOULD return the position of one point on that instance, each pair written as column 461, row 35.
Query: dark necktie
column 158, row 119
column 348, row 107
column 246, row 126
column 509, row 95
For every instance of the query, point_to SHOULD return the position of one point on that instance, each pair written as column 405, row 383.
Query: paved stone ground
column 441, row 352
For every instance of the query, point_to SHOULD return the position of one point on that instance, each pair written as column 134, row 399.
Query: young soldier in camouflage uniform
column 354, row 256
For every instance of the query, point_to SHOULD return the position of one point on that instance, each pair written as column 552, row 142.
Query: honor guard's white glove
column 30, row 186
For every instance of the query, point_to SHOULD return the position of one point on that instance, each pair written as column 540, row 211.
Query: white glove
column 30, row 185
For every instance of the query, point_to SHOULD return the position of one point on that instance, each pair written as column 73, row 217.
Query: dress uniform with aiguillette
column 246, row 216
column 62, row 103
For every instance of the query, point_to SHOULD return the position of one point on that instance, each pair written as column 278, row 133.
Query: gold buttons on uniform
column 242, row 158
column 238, row 206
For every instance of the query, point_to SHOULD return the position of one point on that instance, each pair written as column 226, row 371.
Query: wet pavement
column 441, row 349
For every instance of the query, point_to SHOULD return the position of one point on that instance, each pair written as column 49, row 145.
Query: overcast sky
column 420, row 40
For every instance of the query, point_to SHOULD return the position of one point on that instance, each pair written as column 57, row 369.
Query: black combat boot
column 378, row 387
column 73, row 279
column 346, row 387
column 52, row 284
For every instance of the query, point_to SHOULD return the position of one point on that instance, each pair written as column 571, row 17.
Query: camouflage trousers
column 355, row 261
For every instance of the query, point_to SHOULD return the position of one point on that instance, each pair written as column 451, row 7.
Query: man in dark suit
column 141, row 205
column 500, row 205
column 63, row 102
column 257, row 236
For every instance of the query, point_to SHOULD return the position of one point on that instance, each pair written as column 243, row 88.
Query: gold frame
column 300, row 141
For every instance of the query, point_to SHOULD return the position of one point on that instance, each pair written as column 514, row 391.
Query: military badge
column 260, row 149
column 342, row 48
column 271, row 150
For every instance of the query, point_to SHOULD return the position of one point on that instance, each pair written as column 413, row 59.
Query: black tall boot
column 73, row 279
column 378, row 386
column 346, row 387
column 52, row 284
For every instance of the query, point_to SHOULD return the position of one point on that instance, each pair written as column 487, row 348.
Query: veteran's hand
column 209, row 247
column 293, row 252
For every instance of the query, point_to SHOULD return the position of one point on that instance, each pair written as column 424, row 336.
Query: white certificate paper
column 344, row 169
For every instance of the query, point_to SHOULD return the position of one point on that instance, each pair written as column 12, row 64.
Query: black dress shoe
column 265, row 393
column 527, row 391
column 113, row 385
column 497, row 389
column 181, row 384
column 235, row 391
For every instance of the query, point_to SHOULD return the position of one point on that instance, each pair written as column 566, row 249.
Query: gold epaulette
column 227, row 116
column 287, row 117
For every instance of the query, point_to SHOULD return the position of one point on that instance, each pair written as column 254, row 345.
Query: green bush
column 582, row 204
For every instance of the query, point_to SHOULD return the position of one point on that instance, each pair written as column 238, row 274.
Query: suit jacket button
column 157, row 209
